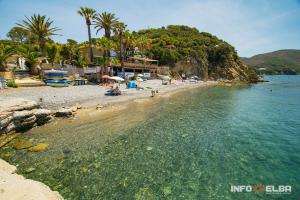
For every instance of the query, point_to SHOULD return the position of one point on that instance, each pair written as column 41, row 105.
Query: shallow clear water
column 194, row 145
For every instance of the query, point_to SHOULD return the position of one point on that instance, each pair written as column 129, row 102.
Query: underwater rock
column 167, row 191
column 66, row 151
column 6, row 156
column 39, row 147
column 64, row 112
column 84, row 170
column 29, row 170
column 22, row 144
column 4, row 139
column 149, row 148
column 144, row 193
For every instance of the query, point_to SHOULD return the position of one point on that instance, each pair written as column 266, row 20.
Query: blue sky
column 253, row 27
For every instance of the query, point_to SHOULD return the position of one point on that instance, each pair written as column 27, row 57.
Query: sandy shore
column 93, row 95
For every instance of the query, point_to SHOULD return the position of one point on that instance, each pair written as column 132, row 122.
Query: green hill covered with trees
column 189, row 51
column 277, row 62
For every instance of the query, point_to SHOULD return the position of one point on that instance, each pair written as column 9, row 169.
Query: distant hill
column 278, row 62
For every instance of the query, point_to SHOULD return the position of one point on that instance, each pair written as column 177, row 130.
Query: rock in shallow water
column 39, row 147
column 22, row 144
column 64, row 112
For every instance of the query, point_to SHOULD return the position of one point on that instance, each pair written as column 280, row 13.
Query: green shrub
column 12, row 84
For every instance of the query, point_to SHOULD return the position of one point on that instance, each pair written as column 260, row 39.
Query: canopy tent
column 116, row 78
column 166, row 78
column 106, row 76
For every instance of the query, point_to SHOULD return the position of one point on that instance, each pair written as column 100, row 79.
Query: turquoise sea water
column 194, row 145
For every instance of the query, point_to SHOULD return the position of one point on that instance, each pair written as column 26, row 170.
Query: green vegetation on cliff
column 277, row 62
column 189, row 51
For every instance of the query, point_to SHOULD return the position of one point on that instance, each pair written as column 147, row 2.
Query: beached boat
column 56, row 78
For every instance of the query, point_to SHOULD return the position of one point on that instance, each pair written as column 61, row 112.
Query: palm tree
column 88, row 14
column 52, row 53
column 32, row 58
column 40, row 27
column 106, row 21
column 119, row 30
column 5, row 52
column 79, row 60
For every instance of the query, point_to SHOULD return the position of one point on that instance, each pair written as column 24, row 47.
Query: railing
column 140, row 65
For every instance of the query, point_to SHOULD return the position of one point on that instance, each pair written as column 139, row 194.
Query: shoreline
column 111, row 106
column 90, row 95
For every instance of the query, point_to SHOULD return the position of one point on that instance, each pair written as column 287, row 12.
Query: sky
column 251, row 26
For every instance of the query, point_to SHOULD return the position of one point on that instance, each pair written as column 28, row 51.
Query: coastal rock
column 42, row 116
column 17, row 104
column 22, row 115
column 11, row 127
column 24, row 124
column 4, row 166
column 14, row 186
column 43, row 120
column 64, row 112
column 40, row 113
column 5, row 119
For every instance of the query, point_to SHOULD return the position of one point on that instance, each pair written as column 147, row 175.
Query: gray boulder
column 5, row 119
column 43, row 120
column 24, row 124
column 64, row 112
column 20, row 115
column 40, row 113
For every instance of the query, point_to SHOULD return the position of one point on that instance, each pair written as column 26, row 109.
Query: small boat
column 56, row 78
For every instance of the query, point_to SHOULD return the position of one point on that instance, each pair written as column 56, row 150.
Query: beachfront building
column 136, row 65
column 130, row 67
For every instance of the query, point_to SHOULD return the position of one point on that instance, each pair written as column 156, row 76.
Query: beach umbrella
column 166, row 78
column 140, row 75
column 139, row 79
column 105, row 76
column 116, row 78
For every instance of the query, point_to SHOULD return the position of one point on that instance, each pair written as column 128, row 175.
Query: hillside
column 277, row 62
column 189, row 51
